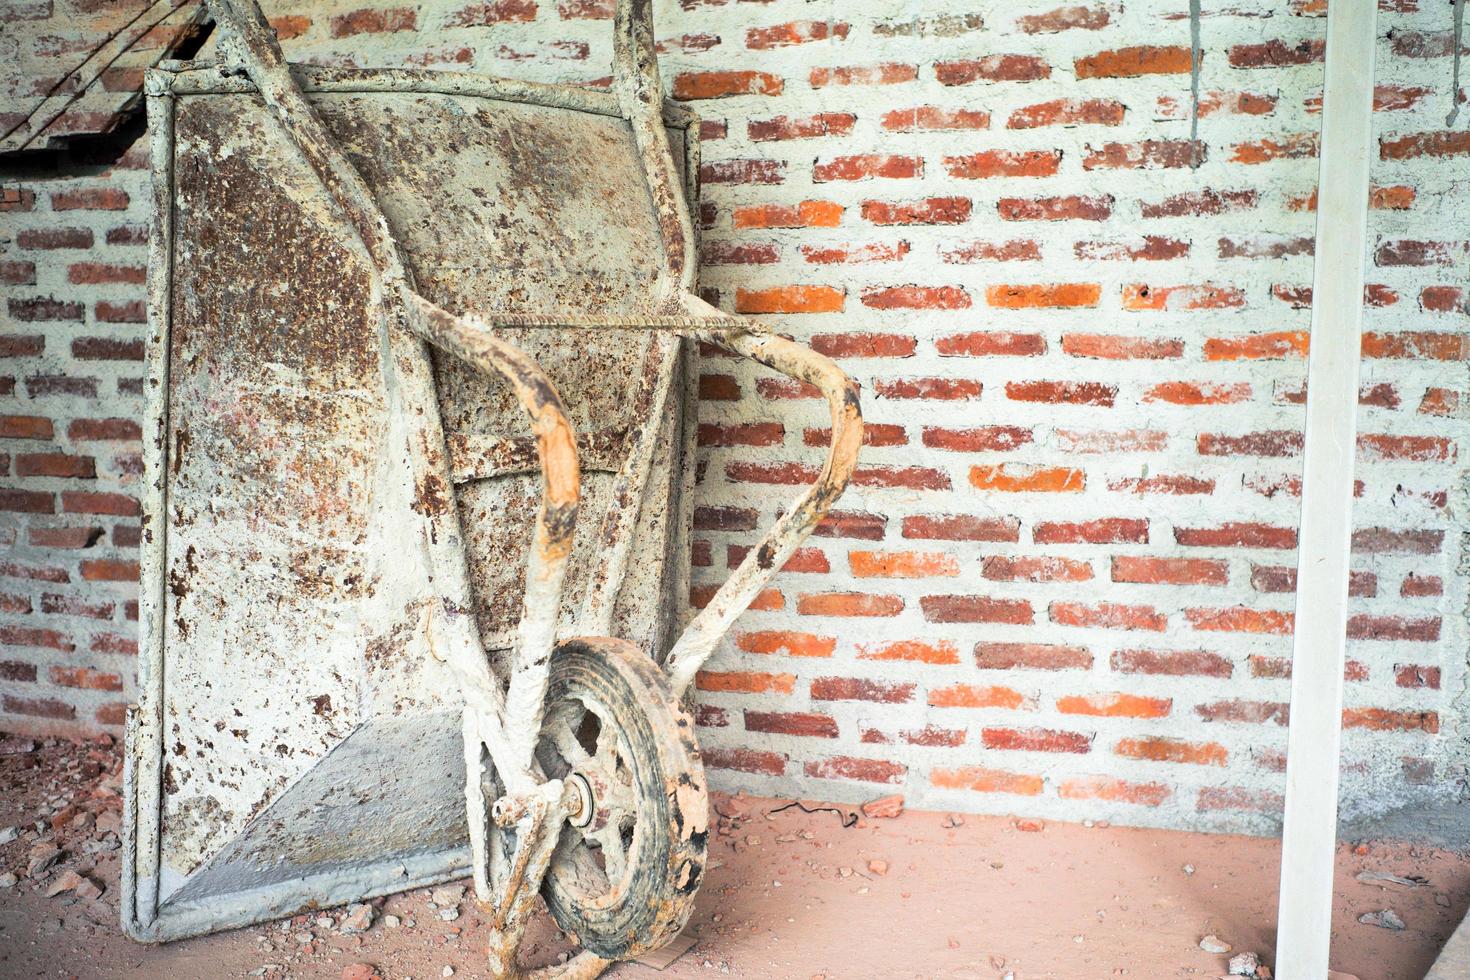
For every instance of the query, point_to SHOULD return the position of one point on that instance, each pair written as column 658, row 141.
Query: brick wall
column 1062, row 582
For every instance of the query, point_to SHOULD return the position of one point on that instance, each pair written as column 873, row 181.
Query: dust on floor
column 788, row 894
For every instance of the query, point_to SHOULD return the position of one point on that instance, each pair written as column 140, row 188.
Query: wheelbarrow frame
column 506, row 723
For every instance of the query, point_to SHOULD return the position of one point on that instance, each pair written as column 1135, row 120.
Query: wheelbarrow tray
column 297, row 742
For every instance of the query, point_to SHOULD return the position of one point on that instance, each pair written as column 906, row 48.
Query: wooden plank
column 1309, row 837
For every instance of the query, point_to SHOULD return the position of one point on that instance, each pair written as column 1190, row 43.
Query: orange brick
column 790, row 299
column 807, row 214
column 902, row 564
column 1116, row 705
column 981, row 780
column 1259, row 346
column 849, row 604
column 977, row 696
column 1114, row 791
column 722, row 84
column 1021, row 478
column 1135, row 61
column 1045, row 296
column 912, row 651
column 1173, row 750
column 787, row 643
column 745, row 682
column 1204, row 296
column 1241, row 619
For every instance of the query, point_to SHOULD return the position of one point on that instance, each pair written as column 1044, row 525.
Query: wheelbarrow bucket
column 298, row 741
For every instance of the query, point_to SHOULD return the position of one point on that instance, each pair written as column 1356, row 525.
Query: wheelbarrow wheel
column 623, row 882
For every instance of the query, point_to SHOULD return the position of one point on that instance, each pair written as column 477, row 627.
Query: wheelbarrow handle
column 250, row 40
column 798, row 361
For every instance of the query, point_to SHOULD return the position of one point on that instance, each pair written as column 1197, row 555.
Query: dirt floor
column 788, row 895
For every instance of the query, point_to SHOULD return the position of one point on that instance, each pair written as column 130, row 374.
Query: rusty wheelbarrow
column 361, row 284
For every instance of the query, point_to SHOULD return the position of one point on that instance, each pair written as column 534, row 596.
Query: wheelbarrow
column 359, row 282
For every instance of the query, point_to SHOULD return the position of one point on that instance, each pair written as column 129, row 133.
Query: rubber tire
column 669, row 781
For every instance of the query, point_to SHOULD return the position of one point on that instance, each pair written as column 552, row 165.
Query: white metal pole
column 1304, row 924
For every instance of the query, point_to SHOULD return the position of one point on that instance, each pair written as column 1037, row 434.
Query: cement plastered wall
column 1062, row 583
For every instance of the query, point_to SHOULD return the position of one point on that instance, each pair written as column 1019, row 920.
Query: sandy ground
column 788, row 895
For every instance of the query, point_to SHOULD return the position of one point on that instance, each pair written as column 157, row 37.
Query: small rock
column 42, row 856
column 447, row 895
column 449, row 914
column 878, row 866
column 1188, row 870
column 392, row 921
column 448, row 971
column 359, row 918
column 9, row 834
column 65, row 882
column 109, row 822
column 8, row 880
column 1244, row 965
column 884, row 807
column 1214, row 944
column 1386, row 919
column 952, row 820
column 89, row 889
column 1030, row 826
column 360, row 971
column 844, row 872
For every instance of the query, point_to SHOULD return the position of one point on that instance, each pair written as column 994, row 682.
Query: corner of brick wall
column 1062, row 582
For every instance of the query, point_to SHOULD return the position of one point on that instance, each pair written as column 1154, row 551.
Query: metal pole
column 1304, row 925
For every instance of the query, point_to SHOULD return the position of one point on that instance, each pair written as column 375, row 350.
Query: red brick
column 103, row 273
column 1015, row 250
column 369, row 21
column 1385, row 720
column 861, row 689
column 14, row 670
column 1145, row 155
column 17, row 273
column 1297, row 146
column 1073, row 207
column 930, row 118
column 1188, row 393
column 1423, row 449
column 858, row 770
column 793, row 33
column 1442, row 299
column 902, row 564
column 1111, row 530
column 801, row 560
column 849, row 604
column 32, row 636
column 1205, row 296
column 1437, row 144
column 1035, row 740
column 874, row 434
column 855, row 254
column 723, row 84
column 758, row 171
column 745, row 760
column 991, row 438
column 1108, row 616
column 16, row 199
column 1111, row 347
column 1027, row 478
column 1149, row 248
column 1440, row 401
column 718, row 388
column 1003, row 163
column 978, row 779
column 1175, row 484
column 930, row 211
column 87, row 678
column 1031, row 656
column 804, row 723
column 991, row 344
column 133, row 311
column 112, row 643
column 807, row 214
column 1421, row 585
column 1172, row 663
column 1416, row 345
column 961, row 527
column 916, row 298
column 1114, row 791
column 890, row 73
column 814, row 126
column 1065, row 18
column 1267, row 346
column 1156, row 749
column 738, row 253
column 1044, row 296
column 790, row 299
column 1135, row 61
column 54, row 238
column 930, row 735
column 852, row 524
column 1068, row 112
column 1383, row 540
column 785, row 642
column 63, row 465
column 1241, row 619
column 1201, row 204
column 973, row 696
column 745, row 434
column 941, row 652
column 39, row 309
column 1044, row 568
column 90, row 199
column 867, row 166
column 992, row 68
column 1366, row 627
column 745, row 682
column 1416, row 676
column 25, row 427
column 106, row 349
column 708, row 716
column 1277, row 54
column 1274, row 444
column 38, row 707
column 61, row 605
column 1117, row 705
column 931, row 389
column 1234, row 798
column 1062, row 392
column 109, row 570
column 1169, row 571
column 842, row 345
column 975, row 609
